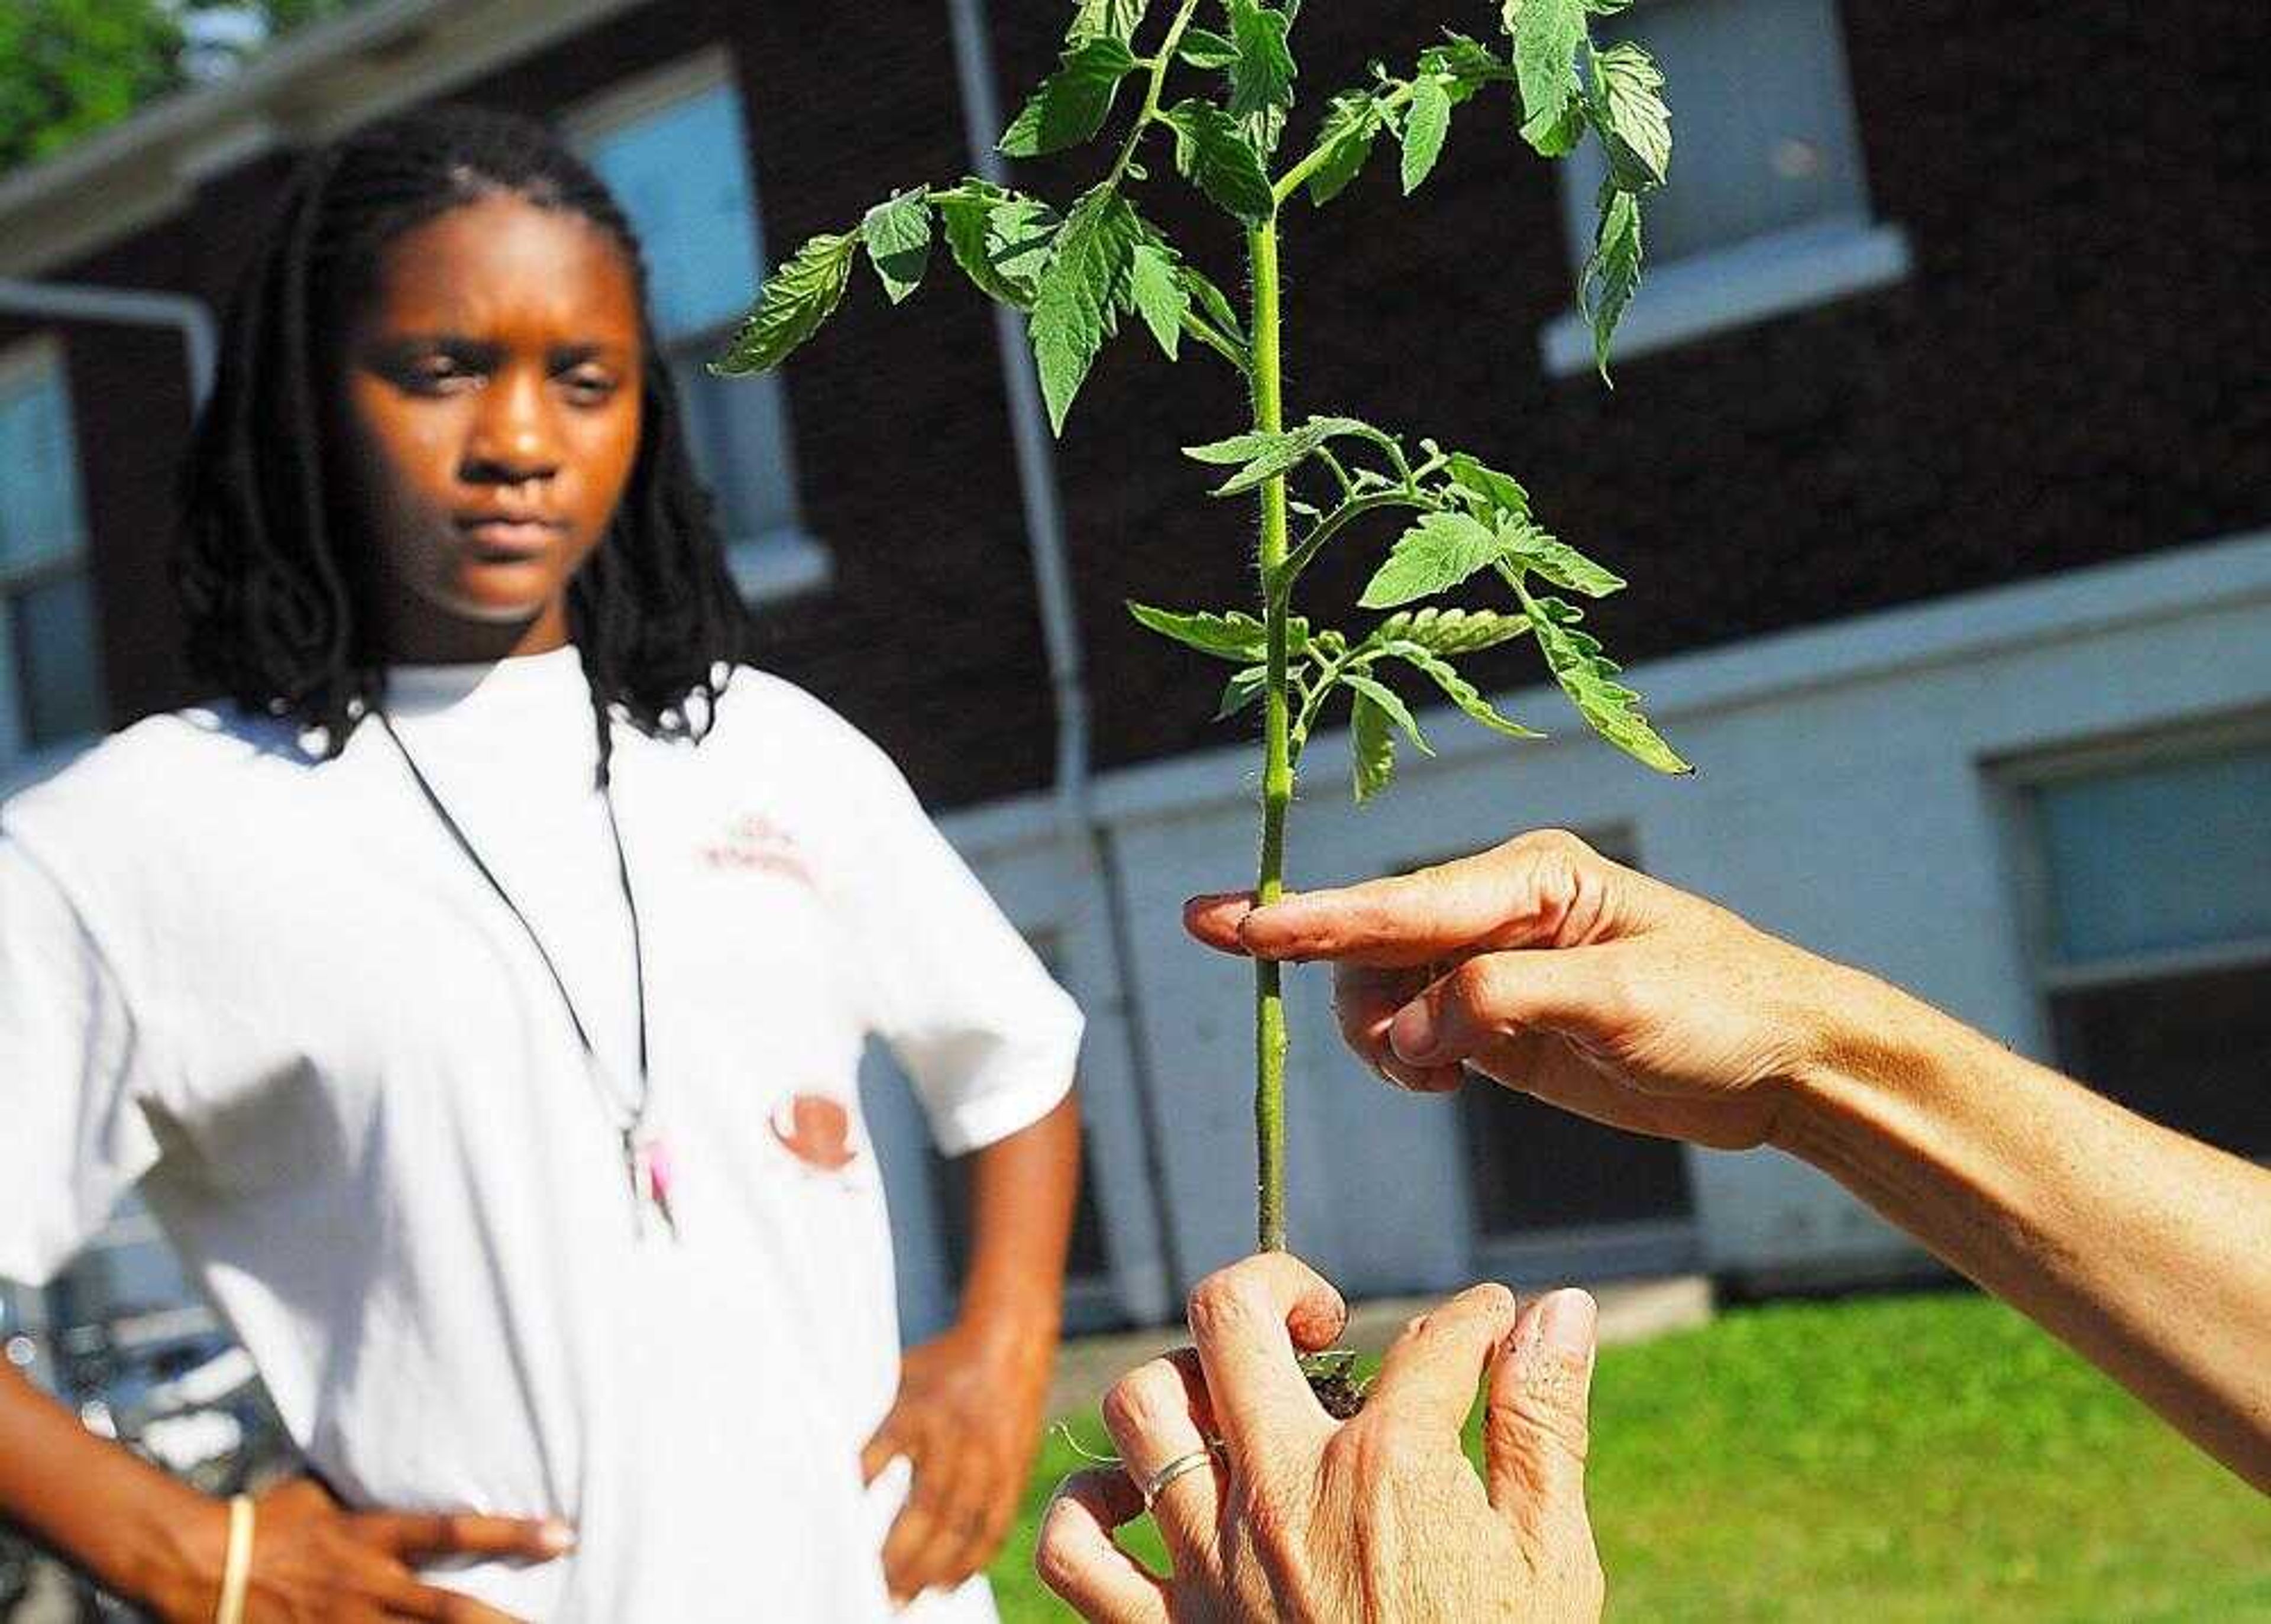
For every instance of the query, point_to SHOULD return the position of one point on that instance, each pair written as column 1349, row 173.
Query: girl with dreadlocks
column 475, row 999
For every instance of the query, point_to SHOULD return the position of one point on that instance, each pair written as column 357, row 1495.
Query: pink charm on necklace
column 649, row 1157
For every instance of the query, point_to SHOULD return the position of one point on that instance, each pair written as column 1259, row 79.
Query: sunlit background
column 1939, row 458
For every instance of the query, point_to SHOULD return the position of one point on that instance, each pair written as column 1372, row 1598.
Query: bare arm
column 969, row 1410
column 153, row 1540
column 135, row 1530
column 1021, row 1205
column 1561, row 974
column 2149, row 1253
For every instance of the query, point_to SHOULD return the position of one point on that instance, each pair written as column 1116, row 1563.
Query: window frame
column 784, row 561
column 1741, row 283
column 1667, row 1243
column 41, row 357
column 2014, row 782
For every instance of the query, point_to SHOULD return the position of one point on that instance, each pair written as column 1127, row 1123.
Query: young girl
column 476, row 999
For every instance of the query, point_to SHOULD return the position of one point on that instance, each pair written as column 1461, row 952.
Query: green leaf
column 1425, row 126
column 1467, row 64
column 1388, row 700
column 1159, row 294
column 1345, row 137
column 1080, row 293
column 898, row 233
column 1372, row 748
column 1261, row 75
column 1529, row 548
column 1433, row 557
column 1266, row 456
column 1019, row 235
column 1244, row 688
column 1459, row 691
column 1557, row 137
column 1613, row 275
column 1237, row 449
column 796, row 298
column 1214, row 304
column 1073, row 103
column 1449, row 631
column 1589, row 677
column 1502, row 492
column 1628, row 110
column 1546, row 35
column 1000, row 239
column 1213, row 151
column 1203, row 47
column 1231, row 635
column 1117, row 19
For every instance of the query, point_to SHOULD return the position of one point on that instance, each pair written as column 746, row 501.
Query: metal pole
column 1090, row 874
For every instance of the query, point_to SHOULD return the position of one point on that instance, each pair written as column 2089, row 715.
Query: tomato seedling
column 1080, row 271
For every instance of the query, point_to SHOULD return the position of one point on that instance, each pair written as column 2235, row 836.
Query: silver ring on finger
column 1182, row 1465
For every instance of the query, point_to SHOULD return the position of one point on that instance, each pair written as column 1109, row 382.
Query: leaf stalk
column 1149, row 115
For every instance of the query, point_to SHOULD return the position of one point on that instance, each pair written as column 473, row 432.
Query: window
column 2151, row 919
column 673, row 148
column 1768, row 206
column 51, row 690
column 1551, row 1191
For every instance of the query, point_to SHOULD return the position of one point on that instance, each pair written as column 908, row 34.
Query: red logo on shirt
column 816, row 1130
column 754, row 842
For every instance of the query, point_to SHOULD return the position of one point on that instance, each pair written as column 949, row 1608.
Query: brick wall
column 2075, row 372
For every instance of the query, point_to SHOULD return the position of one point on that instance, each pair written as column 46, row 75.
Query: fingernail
column 1411, row 1034
column 556, row 1537
column 1569, row 1321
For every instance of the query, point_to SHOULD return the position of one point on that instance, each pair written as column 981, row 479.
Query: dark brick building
column 1934, row 458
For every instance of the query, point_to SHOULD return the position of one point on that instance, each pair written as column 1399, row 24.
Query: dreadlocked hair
column 267, row 571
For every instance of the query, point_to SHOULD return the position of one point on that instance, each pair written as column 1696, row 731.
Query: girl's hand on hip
column 968, row 1419
column 313, row 1560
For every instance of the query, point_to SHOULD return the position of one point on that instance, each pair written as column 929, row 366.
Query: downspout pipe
column 126, row 306
column 1037, row 484
column 1080, row 837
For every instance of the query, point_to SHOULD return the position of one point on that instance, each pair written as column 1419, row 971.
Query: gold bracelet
column 236, row 1567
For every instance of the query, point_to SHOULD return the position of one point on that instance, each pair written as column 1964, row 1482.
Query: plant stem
column 1277, row 766
column 1150, row 113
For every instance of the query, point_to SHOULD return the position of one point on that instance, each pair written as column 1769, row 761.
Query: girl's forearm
column 2148, row 1252
column 135, row 1529
column 1021, row 1201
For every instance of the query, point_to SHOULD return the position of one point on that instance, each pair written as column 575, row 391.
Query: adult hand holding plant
column 1557, row 972
column 1614, row 995
column 1380, row 1517
column 1081, row 272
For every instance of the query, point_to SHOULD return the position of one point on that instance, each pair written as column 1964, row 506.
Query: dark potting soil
column 1332, row 1379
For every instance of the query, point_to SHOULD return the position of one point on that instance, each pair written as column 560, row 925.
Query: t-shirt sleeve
column 988, row 1038
column 73, row 1136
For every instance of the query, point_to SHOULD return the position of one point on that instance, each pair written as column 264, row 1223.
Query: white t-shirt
column 273, row 990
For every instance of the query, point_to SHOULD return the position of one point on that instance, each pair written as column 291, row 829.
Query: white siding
column 1845, row 800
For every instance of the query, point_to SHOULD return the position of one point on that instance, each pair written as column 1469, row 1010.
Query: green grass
column 1928, row 1456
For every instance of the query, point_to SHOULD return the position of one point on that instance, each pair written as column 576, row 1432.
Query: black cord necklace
column 646, row 1160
